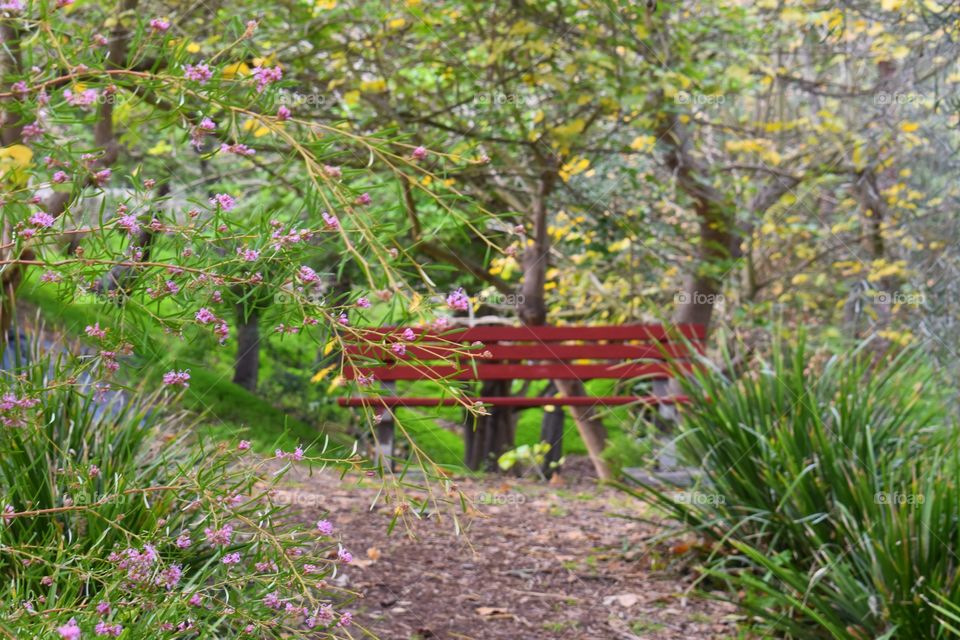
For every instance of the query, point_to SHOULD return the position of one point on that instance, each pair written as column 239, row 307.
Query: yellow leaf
column 643, row 143
column 19, row 154
column 236, row 69
column 351, row 98
column 323, row 373
column 373, row 86
column 909, row 127
column 193, row 47
column 326, row 4
column 397, row 23
column 159, row 149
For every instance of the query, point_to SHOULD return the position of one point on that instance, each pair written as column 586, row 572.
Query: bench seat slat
column 548, row 333
column 435, row 351
column 562, row 371
column 512, row 401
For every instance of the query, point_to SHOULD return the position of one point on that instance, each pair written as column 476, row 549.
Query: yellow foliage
column 643, row 143
column 236, row 69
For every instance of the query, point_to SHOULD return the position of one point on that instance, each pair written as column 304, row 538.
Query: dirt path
column 549, row 563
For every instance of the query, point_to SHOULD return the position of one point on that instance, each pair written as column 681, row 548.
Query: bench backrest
column 494, row 352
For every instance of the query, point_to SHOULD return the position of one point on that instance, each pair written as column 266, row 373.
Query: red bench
column 493, row 352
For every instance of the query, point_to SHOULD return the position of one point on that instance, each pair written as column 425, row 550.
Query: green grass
column 230, row 411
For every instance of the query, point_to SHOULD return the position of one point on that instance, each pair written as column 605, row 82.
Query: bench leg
column 665, row 420
column 383, row 447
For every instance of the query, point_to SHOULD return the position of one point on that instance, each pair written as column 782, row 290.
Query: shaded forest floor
column 548, row 562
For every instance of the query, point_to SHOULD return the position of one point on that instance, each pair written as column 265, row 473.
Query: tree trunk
column 533, row 311
column 551, row 432
column 247, row 363
column 488, row 437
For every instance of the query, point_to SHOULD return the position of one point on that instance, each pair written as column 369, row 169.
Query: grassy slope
column 232, row 412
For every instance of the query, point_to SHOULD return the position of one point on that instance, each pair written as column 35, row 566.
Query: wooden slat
column 546, row 333
column 512, row 401
column 527, row 351
column 519, row 371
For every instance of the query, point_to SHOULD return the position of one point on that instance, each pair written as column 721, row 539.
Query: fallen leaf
column 373, row 553
column 624, row 600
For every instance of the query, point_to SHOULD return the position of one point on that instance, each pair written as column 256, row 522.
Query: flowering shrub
column 152, row 167
column 112, row 526
column 146, row 167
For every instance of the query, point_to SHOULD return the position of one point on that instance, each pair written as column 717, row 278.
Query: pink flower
column 308, row 275
column 195, row 600
column 159, row 25
column 250, row 255
column 60, row 177
column 103, row 608
column 219, row 536
column 331, row 221
column 100, row 40
column 398, row 348
column 419, row 153
column 238, row 149
column 93, row 471
column 283, row 113
column 272, row 600
column 231, row 558
column 83, row 99
column 345, row 619
column 224, row 201
column 95, row 331
column 458, row 300
column 363, row 198
column 363, row 303
column 42, row 219
column 266, row 76
column 325, row 527
column 101, row 177
column 31, row 131
column 198, row 73
column 170, row 577
column 69, row 631
column 177, row 378
column 205, row 316
column 333, row 172
column 104, row 628
column 344, row 556
column 129, row 222
column 183, row 541
column 408, row 335
column 244, row 445
column 222, row 331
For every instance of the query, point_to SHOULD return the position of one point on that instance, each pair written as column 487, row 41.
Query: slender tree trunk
column 488, row 437
column 247, row 363
column 551, row 432
column 533, row 311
